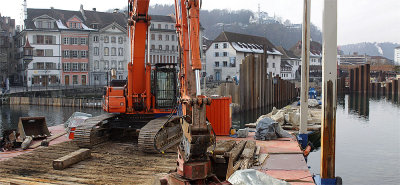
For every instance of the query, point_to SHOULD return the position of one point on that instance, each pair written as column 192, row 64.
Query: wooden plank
column 51, row 138
column 70, row 159
column 247, row 154
column 224, row 146
column 234, row 155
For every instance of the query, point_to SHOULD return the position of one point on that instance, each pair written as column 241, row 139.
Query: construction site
column 159, row 127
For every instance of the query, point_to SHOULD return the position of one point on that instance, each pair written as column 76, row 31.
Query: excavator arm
column 138, row 93
column 194, row 165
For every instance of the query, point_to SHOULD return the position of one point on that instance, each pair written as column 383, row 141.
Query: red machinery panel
column 218, row 114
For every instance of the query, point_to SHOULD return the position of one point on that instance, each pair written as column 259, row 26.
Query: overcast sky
column 358, row 20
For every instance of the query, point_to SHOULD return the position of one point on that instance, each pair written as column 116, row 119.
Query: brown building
column 7, row 64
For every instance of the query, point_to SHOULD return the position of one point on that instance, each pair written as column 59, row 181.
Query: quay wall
column 58, row 102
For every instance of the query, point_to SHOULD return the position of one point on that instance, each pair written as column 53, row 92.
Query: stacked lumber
column 235, row 155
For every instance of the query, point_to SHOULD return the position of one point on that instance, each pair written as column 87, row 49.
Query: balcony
column 152, row 51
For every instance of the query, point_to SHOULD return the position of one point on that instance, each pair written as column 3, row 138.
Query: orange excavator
column 167, row 106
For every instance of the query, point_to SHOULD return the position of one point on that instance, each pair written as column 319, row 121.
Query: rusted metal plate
column 294, row 177
column 285, row 162
column 281, row 145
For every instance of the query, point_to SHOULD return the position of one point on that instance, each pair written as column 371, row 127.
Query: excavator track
column 160, row 134
column 92, row 131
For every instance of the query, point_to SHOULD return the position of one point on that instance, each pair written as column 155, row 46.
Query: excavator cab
column 164, row 86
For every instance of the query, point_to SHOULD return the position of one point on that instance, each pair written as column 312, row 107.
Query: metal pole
column 305, row 57
column 329, row 94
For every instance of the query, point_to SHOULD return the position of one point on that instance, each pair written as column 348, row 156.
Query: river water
column 367, row 140
column 367, row 144
column 10, row 114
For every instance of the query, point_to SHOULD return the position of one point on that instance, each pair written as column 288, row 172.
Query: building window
column 83, row 41
column 40, row 24
column 167, row 47
column 273, row 65
column 49, row 40
column 113, row 64
column 159, row 26
column 120, row 51
column 233, row 62
column 216, row 54
column 75, row 79
column 66, row 41
column 166, row 26
column 215, row 46
column 106, row 51
column 153, row 46
column 96, row 39
column 172, row 27
column 74, row 66
column 173, row 48
column 225, row 45
column 273, row 56
column 74, row 41
column 153, row 37
column 48, row 52
column 106, row 65
column 106, row 39
column 160, row 37
column 225, row 54
column 96, row 65
column 121, row 65
column 83, row 54
column 83, row 67
column 113, row 51
column 39, row 53
column 160, row 47
column 225, row 63
column 120, row 40
column 74, row 54
column 96, row 51
column 173, row 37
column 67, row 66
column 66, row 54
column 113, row 40
column 167, row 37
column 152, row 26
column 39, row 39
column 216, row 64
column 83, row 79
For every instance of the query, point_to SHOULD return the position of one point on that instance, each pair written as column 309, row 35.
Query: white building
column 163, row 40
column 108, row 46
column 315, row 58
column 225, row 54
column 397, row 55
column 41, row 67
column 289, row 65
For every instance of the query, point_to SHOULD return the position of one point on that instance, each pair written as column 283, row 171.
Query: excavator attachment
column 35, row 127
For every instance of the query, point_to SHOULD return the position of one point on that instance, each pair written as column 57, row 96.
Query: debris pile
column 234, row 155
column 29, row 129
column 289, row 118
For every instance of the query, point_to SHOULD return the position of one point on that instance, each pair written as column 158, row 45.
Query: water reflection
column 358, row 104
column 367, row 137
column 10, row 114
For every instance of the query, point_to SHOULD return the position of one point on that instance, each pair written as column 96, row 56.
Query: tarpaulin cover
column 254, row 177
column 268, row 129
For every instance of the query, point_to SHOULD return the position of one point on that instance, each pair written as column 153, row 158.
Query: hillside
column 215, row 21
column 385, row 49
